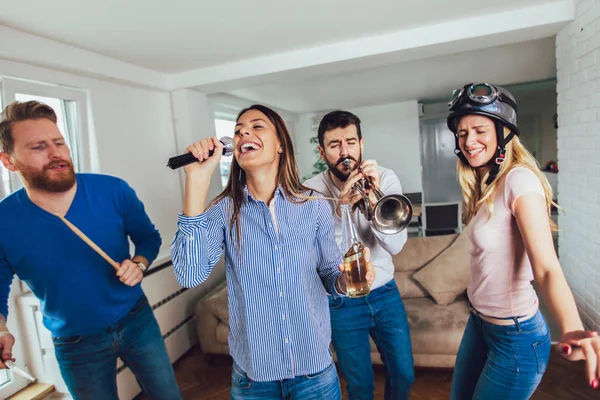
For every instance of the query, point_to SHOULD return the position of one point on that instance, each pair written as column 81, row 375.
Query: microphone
column 188, row 158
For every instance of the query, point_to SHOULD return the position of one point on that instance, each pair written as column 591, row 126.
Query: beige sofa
column 431, row 273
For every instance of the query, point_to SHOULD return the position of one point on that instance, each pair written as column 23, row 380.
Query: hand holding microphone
column 203, row 157
column 197, row 152
column 199, row 167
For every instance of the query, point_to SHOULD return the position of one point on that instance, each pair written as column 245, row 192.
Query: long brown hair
column 287, row 171
column 477, row 193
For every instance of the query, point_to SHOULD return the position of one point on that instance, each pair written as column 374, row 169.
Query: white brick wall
column 578, row 87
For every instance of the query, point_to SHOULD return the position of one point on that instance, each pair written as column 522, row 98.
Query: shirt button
column 282, row 316
column 276, row 247
column 286, row 340
column 280, row 294
column 278, row 270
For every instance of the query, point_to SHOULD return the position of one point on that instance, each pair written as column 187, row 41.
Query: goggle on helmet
column 490, row 101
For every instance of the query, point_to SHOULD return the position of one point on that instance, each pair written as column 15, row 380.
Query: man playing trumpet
column 380, row 314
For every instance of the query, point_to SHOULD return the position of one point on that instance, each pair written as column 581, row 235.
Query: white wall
column 391, row 135
column 577, row 54
column 536, row 110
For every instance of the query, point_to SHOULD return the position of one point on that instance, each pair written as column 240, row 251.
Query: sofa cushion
column 217, row 304
column 222, row 333
column 447, row 275
column 408, row 287
column 417, row 252
column 436, row 329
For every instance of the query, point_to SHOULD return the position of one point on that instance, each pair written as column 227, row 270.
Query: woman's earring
column 280, row 150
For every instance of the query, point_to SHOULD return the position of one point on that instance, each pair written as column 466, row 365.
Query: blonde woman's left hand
column 583, row 345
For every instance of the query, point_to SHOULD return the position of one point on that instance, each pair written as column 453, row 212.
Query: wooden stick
column 90, row 242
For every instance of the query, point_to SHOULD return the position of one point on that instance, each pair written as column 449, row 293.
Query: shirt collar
column 248, row 196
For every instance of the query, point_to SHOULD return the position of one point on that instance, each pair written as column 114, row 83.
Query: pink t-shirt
column 501, row 274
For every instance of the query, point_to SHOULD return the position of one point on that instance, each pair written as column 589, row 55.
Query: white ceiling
column 427, row 79
column 183, row 35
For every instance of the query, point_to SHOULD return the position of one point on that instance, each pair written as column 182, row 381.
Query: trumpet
column 391, row 213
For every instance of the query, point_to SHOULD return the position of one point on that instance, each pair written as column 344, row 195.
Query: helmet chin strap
column 498, row 158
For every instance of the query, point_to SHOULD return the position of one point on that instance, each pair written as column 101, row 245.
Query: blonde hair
column 477, row 193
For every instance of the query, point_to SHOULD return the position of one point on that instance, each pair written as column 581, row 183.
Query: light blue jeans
column 501, row 362
column 322, row 385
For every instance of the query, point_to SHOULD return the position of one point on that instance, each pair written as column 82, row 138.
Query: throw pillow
column 447, row 275
column 418, row 252
column 407, row 286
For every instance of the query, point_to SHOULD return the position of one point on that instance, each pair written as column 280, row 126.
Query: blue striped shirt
column 277, row 280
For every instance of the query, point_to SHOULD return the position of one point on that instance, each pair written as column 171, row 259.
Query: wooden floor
column 209, row 378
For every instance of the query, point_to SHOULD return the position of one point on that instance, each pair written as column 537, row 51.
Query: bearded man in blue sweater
column 95, row 314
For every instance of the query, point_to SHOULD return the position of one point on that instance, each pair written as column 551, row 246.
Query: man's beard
column 41, row 180
column 343, row 176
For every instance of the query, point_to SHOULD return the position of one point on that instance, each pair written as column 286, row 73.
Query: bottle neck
column 348, row 229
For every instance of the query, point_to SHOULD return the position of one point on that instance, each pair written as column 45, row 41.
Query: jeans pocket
column 239, row 378
column 391, row 285
column 320, row 373
column 140, row 304
column 66, row 340
column 335, row 303
column 542, row 348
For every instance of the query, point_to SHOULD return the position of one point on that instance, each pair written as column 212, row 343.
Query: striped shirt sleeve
column 329, row 253
column 198, row 245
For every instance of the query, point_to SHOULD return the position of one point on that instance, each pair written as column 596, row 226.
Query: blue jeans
column 322, row 385
column 380, row 315
column 88, row 364
column 501, row 362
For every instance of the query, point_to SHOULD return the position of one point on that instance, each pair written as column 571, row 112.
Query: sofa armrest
column 207, row 322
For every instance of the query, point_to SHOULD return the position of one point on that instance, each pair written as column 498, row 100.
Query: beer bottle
column 355, row 266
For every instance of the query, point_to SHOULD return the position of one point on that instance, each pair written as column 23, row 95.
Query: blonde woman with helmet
column 281, row 260
column 506, row 345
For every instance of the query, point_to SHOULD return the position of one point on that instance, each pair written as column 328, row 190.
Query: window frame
column 221, row 116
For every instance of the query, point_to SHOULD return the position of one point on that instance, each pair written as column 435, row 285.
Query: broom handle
column 90, row 242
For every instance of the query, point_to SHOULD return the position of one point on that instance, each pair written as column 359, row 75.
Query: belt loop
column 517, row 323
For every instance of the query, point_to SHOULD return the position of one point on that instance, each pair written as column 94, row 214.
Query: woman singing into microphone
column 281, row 260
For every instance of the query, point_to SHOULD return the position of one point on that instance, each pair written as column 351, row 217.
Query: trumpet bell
column 392, row 214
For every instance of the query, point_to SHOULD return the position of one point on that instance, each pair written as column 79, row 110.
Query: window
column 4, row 182
column 70, row 106
column 225, row 127
column 10, row 383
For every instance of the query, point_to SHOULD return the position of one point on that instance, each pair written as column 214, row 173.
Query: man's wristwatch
column 142, row 266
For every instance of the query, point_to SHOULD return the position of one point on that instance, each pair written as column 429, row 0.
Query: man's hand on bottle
column 342, row 282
